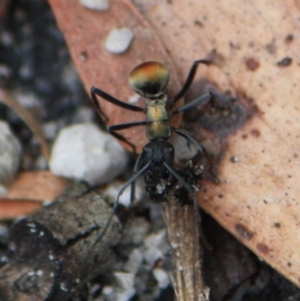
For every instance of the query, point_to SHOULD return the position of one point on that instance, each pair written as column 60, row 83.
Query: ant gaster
column 150, row 80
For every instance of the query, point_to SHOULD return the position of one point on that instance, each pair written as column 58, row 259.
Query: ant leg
column 135, row 169
column 95, row 91
column 200, row 148
column 190, row 139
column 189, row 79
column 203, row 100
column 179, row 178
column 129, row 182
column 111, row 129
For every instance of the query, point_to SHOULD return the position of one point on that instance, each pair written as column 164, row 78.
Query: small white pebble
column 84, row 152
column 234, row 159
column 6, row 38
column 31, row 225
column 3, row 190
column 119, row 40
column 124, row 286
column 134, row 98
column 124, row 199
column 155, row 247
column 51, row 257
column 63, row 287
column 3, row 259
column 5, row 71
column 39, row 273
column 107, row 290
column 28, row 100
column 134, row 261
column 183, row 149
column 10, row 150
column 50, row 129
column 95, row 4
column 162, row 278
column 84, row 115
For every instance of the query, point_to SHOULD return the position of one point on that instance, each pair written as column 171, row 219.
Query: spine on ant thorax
column 158, row 126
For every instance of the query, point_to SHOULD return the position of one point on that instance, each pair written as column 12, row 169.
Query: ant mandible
column 150, row 80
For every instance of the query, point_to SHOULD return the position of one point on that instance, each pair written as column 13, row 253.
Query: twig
column 183, row 234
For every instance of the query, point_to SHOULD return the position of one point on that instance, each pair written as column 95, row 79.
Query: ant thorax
column 157, row 118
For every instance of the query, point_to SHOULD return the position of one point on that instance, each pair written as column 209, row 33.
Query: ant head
column 149, row 79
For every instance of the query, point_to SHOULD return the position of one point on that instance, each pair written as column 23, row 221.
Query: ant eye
column 149, row 78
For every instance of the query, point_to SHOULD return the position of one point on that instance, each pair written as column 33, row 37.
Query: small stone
column 134, row 261
column 84, row 152
column 162, row 277
column 124, row 286
column 95, row 4
column 119, row 40
column 5, row 71
column 124, row 199
column 184, row 150
column 10, row 154
column 155, row 247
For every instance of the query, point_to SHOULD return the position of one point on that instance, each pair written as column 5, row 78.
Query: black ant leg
column 129, row 182
column 124, row 126
column 135, row 169
column 200, row 148
column 203, row 100
column 190, row 139
column 179, row 178
column 189, row 79
column 95, row 91
column 111, row 129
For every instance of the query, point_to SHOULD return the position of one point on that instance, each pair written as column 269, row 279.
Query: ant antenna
column 129, row 182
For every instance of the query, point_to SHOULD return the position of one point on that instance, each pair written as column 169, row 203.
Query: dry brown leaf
column 85, row 32
column 10, row 208
column 257, row 198
column 28, row 192
column 37, row 185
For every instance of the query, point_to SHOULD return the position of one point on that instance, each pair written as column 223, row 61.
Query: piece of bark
column 183, row 235
column 52, row 251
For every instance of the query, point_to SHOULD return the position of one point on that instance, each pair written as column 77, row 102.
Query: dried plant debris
column 53, row 252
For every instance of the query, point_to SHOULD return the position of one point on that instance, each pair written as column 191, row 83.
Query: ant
column 150, row 80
